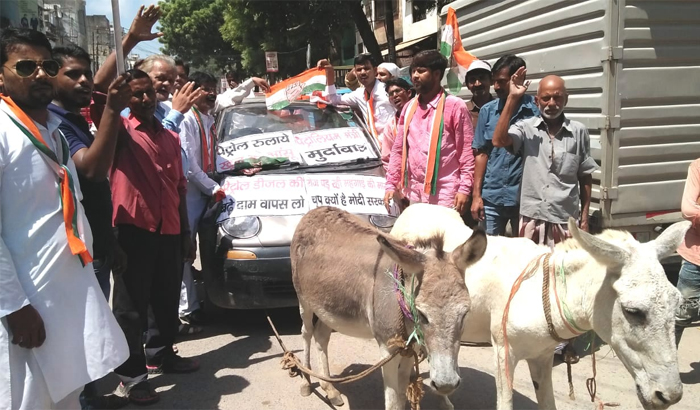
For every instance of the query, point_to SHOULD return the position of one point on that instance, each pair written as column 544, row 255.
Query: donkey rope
column 414, row 392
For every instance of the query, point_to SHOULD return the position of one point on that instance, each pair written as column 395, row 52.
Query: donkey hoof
column 337, row 401
column 305, row 390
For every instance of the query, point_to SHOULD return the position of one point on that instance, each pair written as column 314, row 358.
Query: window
column 419, row 9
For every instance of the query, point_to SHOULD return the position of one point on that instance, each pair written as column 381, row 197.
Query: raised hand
column 119, row 93
column 518, row 85
column 142, row 25
column 264, row 86
column 185, row 97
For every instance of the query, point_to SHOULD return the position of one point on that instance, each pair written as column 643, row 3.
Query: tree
column 190, row 28
column 287, row 27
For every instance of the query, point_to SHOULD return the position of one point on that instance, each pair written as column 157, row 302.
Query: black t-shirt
column 97, row 196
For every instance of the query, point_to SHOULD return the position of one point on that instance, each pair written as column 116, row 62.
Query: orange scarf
column 67, row 188
column 370, row 114
column 207, row 150
column 437, row 128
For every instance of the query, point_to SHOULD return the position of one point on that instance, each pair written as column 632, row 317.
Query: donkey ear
column 603, row 251
column 411, row 261
column 470, row 251
column 670, row 239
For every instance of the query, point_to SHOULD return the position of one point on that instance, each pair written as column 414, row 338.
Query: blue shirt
column 97, row 195
column 504, row 170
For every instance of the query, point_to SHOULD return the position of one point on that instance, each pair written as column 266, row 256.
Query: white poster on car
column 333, row 145
column 358, row 194
column 271, row 144
column 264, row 195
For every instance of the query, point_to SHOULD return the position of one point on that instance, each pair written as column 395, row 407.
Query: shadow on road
column 693, row 376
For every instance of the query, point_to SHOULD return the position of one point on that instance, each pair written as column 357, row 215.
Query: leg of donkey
column 541, row 374
column 504, row 393
column 322, row 335
column 396, row 374
column 307, row 331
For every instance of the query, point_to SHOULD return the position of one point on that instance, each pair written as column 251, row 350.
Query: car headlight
column 242, row 227
column 382, row 221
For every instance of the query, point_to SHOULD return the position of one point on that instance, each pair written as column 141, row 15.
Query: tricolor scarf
column 207, row 149
column 436, row 130
column 370, row 114
column 66, row 189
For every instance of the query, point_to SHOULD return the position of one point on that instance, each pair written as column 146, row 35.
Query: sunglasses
column 25, row 68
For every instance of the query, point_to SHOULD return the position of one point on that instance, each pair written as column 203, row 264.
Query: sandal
column 140, row 394
column 174, row 364
column 187, row 329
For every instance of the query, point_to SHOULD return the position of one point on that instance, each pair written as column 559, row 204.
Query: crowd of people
column 126, row 195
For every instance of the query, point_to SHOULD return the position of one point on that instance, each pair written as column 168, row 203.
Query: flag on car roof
column 451, row 48
column 284, row 93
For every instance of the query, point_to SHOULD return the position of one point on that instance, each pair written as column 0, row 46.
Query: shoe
column 141, row 393
column 688, row 313
column 173, row 363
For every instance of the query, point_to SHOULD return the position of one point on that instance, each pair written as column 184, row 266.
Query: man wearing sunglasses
column 49, row 296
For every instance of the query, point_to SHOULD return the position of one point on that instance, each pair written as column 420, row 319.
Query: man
column 498, row 172
column 160, row 68
column 92, row 157
column 400, row 92
column 558, row 165
column 478, row 81
column 154, row 233
column 372, row 99
column 51, row 307
column 232, row 79
column 431, row 159
column 198, row 139
column 183, row 73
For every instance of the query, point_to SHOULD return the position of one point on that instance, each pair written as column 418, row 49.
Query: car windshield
column 301, row 136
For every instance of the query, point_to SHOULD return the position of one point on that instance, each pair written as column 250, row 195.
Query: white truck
column 632, row 69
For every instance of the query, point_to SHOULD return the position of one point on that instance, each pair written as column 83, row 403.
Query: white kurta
column 83, row 340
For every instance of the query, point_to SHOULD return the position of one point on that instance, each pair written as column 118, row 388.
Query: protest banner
column 271, row 144
column 264, row 195
column 333, row 145
column 358, row 194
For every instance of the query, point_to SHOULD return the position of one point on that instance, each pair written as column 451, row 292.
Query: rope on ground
column 592, row 386
column 414, row 392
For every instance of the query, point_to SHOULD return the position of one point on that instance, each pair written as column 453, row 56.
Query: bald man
column 558, row 167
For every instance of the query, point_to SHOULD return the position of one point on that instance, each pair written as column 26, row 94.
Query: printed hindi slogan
column 333, row 145
column 264, row 195
column 358, row 194
column 271, row 144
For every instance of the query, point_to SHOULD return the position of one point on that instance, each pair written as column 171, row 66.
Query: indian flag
column 451, row 47
column 284, row 93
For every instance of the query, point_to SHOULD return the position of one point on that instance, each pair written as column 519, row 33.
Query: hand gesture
column 460, row 204
column 324, row 63
column 260, row 82
column 26, row 327
column 388, row 196
column 518, row 85
column 478, row 209
column 142, row 25
column 185, row 97
column 119, row 93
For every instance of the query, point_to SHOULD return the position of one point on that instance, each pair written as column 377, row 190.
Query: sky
column 127, row 11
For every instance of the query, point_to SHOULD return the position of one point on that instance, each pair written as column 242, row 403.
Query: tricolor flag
column 284, row 93
column 451, row 47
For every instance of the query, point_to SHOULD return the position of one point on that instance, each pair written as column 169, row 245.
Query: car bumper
column 251, row 278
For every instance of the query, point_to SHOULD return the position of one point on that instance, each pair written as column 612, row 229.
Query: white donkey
column 612, row 284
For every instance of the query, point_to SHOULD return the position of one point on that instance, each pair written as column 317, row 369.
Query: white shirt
column 83, row 340
column 233, row 96
column 383, row 110
column 191, row 142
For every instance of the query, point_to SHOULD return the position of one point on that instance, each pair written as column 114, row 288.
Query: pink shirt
column 690, row 247
column 456, row 169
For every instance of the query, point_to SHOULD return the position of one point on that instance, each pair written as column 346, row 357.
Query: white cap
column 392, row 68
column 479, row 65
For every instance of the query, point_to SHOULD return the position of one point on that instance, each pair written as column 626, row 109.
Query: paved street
column 241, row 370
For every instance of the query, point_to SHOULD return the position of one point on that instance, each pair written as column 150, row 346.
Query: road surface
column 240, row 369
